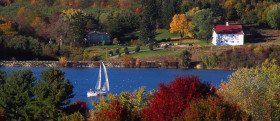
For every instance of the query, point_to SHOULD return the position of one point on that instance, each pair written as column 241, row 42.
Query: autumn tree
column 180, row 25
column 7, row 29
column 256, row 90
column 171, row 100
column 213, row 108
column 77, row 26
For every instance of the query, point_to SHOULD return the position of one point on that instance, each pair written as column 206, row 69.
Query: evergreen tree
column 148, row 21
column 168, row 9
column 53, row 93
column 16, row 95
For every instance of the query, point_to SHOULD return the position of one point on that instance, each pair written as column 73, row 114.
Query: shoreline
column 95, row 64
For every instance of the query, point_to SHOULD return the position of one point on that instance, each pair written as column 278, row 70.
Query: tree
column 53, row 93
column 203, row 24
column 185, row 58
column 171, row 100
column 148, row 21
column 213, row 108
column 77, row 26
column 256, row 90
column 273, row 16
column 180, row 25
column 16, row 95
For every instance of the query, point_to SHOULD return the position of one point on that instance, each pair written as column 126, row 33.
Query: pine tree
column 53, row 93
column 148, row 21
column 16, row 95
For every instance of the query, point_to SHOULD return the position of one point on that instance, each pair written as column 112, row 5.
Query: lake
column 129, row 79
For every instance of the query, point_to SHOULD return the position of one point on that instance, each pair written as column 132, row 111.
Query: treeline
column 247, row 56
column 65, row 23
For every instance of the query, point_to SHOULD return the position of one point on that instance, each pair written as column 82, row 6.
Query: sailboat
column 98, row 90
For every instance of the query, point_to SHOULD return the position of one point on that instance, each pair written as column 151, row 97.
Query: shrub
column 122, row 107
column 126, row 51
column 62, row 61
column 128, row 61
column 77, row 116
column 185, row 58
column 115, row 112
column 78, row 106
column 171, row 100
column 213, row 109
column 111, row 53
column 210, row 61
column 117, row 51
column 137, row 49
column 2, row 114
column 151, row 47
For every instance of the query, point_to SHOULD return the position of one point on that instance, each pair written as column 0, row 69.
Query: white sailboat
column 98, row 90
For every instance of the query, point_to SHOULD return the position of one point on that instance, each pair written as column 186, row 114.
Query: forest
column 49, row 29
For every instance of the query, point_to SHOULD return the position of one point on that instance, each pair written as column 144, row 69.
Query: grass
column 164, row 34
column 156, row 53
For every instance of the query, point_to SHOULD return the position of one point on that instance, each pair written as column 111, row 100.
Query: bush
column 78, row 106
column 213, row 109
column 210, row 61
column 185, row 58
column 77, row 116
column 171, row 100
column 111, row 53
column 122, row 107
column 126, row 51
column 151, row 47
column 137, row 49
column 117, row 51
column 62, row 62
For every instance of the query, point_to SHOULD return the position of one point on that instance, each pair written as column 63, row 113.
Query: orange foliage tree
column 213, row 108
column 181, row 25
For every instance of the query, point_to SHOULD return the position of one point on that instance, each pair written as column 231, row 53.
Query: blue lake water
column 129, row 79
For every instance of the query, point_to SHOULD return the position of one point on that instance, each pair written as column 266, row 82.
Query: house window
column 232, row 41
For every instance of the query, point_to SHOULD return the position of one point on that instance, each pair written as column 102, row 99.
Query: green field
column 164, row 34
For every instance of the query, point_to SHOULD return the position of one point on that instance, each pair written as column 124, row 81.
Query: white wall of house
column 227, row 39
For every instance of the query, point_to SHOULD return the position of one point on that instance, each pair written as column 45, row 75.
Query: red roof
column 230, row 29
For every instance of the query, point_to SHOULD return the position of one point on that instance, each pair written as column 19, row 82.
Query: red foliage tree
column 115, row 112
column 170, row 101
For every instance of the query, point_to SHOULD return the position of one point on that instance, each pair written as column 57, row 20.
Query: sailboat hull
column 95, row 93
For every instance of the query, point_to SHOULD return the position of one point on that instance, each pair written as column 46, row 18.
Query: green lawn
column 156, row 53
column 164, row 34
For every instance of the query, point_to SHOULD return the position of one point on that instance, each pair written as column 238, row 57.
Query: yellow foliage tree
column 69, row 13
column 7, row 29
column 181, row 25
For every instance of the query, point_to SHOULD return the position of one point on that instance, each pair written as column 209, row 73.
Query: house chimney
column 227, row 24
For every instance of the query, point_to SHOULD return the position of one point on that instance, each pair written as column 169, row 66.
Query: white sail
column 98, row 84
column 106, row 84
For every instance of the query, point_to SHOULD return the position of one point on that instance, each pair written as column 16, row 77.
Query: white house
column 228, row 35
